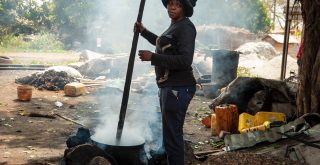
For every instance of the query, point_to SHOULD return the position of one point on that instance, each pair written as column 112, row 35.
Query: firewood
column 68, row 119
column 201, row 153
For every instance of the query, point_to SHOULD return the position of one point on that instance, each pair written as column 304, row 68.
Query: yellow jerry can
column 262, row 117
column 245, row 121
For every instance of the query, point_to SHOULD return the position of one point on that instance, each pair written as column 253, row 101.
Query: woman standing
column 172, row 60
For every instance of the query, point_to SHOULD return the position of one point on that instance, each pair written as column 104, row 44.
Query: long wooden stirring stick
column 126, row 90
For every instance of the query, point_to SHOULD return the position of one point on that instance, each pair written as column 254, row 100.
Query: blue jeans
column 174, row 102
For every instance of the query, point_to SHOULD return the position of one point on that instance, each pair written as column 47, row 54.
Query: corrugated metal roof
column 280, row 37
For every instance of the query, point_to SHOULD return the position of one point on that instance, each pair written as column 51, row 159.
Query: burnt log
column 242, row 90
column 84, row 154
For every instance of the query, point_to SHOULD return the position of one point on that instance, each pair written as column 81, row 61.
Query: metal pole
column 285, row 43
column 126, row 90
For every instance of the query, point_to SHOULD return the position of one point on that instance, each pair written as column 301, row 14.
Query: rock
column 263, row 50
column 88, row 55
column 112, row 67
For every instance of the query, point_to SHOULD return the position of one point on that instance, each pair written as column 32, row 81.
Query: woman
column 172, row 61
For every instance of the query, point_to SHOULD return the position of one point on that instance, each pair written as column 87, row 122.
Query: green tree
column 254, row 15
column 24, row 17
column 71, row 19
column 38, row 15
column 7, row 16
column 250, row 14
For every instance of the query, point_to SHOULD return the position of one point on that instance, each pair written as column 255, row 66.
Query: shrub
column 42, row 42
column 244, row 72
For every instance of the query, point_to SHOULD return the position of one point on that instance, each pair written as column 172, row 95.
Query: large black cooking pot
column 124, row 154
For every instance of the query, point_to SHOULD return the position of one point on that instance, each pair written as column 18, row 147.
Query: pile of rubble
column 50, row 80
column 223, row 37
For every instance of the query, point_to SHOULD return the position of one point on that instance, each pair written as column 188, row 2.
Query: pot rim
column 142, row 143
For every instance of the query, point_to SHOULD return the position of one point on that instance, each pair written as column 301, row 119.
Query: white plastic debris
column 101, row 78
column 58, row 104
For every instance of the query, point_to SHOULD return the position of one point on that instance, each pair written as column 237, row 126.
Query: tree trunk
column 309, row 88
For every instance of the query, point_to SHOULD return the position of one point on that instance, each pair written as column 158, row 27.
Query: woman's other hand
column 145, row 55
column 138, row 27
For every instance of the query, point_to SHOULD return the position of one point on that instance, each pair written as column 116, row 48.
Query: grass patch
column 244, row 72
column 42, row 42
column 16, row 61
column 35, row 62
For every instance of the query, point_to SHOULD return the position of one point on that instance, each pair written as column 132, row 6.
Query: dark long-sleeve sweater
column 176, row 63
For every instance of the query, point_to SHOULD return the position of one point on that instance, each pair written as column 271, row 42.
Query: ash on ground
column 50, row 80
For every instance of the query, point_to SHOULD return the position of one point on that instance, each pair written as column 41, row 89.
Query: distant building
column 277, row 41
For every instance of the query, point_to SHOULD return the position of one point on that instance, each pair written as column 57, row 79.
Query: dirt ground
column 39, row 140
column 28, row 140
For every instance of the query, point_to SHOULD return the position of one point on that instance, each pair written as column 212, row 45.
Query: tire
column 5, row 60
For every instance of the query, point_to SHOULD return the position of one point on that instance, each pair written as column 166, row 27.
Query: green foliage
column 37, row 16
column 254, row 15
column 249, row 14
column 46, row 41
column 37, row 62
column 7, row 16
column 243, row 72
column 24, row 17
column 71, row 19
column 43, row 42
column 75, row 20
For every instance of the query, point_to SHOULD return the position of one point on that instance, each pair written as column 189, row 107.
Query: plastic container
column 207, row 121
column 227, row 118
column 263, row 127
column 213, row 124
column 245, row 121
column 262, row 117
column 24, row 92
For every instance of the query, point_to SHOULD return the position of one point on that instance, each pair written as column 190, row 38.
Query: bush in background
column 42, row 42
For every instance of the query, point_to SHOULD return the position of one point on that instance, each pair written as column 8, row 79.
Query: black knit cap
column 188, row 6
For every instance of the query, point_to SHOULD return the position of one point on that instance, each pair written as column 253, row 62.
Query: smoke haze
column 112, row 31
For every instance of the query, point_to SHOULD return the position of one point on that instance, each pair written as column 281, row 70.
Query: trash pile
column 50, row 80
